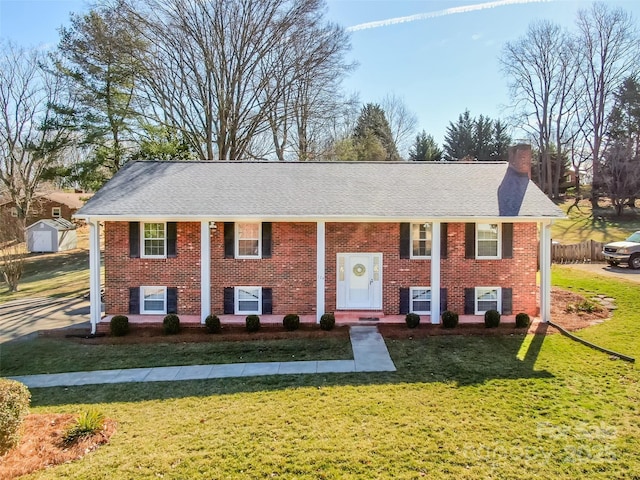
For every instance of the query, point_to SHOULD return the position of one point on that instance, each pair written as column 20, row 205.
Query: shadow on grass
column 452, row 359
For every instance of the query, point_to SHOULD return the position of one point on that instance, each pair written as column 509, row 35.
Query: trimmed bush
column 522, row 320
column 291, row 322
column 87, row 424
column 212, row 322
column 449, row 319
column 253, row 323
column 327, row 321
column 119, row 325
column 14, row 406
column 491, row 318
column 412, row 320
column 171, row 324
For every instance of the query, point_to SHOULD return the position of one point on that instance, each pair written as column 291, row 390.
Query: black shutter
column 443, row 300
column 469, row 301
column 266, row 239
column 172, row 240
column 405, row 240
column 404, row 301
column 507, row 301
column 134, row 300
column 507, row 240
column 267, row 301
column 229, row 240
column 172, row 300
column 134, row 239
column 443, row 240
column 470, row 240
column 229, row 304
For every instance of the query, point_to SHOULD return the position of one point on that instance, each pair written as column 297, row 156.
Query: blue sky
column 442, row 60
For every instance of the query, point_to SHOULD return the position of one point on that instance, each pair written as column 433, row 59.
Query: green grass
column 64, row 274
column 582, row 224
column 52, row 355
column 458, row 407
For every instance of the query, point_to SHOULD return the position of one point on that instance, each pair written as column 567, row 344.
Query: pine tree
column 425, row 149
column 372, row 122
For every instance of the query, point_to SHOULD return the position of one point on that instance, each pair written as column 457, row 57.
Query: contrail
column 438, row 13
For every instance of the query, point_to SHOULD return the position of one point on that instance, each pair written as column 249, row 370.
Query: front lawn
column 458, row 407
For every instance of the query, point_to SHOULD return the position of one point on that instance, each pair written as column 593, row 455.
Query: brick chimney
column 520, row 158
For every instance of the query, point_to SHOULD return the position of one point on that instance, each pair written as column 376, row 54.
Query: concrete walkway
column 370, row 354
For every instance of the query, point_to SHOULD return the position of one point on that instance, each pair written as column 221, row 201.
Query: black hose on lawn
column 626, row 358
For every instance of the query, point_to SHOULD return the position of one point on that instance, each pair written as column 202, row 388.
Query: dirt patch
column 41, row 444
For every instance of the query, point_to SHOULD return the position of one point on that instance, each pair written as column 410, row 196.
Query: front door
column 359, row 281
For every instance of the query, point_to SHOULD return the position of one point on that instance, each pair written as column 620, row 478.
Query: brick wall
column 123, row 272
column 290, row 272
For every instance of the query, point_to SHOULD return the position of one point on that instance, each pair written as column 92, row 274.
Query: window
column 154, row 240
column 56, row 212
column 420, row 240
column 248, row 300
column 488, row 298
column 248, row 240
column 154, row 300
column 420, row 298
column 487, row 240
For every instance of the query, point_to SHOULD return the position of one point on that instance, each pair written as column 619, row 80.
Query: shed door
column 42, row 241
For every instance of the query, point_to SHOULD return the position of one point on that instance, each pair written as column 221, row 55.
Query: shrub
column 212, row 322
column 327, row 321
column 412, row 320
column 171, row 324
column 14, row 405
column 291, row 322
column 252, row 323
column 491, row 318
column 87, row 424
column 449, row 319
column 119, row 325
column 522, row 320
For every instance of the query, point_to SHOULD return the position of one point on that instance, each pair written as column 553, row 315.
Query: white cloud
column 476, row 36
column 439, row 13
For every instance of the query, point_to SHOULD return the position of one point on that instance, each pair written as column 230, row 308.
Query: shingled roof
column 361, row 191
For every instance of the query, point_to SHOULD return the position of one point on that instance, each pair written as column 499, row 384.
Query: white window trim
column 54, row 210
column 411, row 309
column 142, row 254
column 152, row 312
column 411, row 255
column 236, row 301
column 498, row 301
column 499, row 247
column 237, row 240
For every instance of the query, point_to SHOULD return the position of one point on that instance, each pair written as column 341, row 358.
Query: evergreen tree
column 425, row 149
column 372, row 125
column 459, row 138
column 476, row 138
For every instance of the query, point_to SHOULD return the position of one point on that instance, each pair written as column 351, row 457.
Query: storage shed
column 51, row 235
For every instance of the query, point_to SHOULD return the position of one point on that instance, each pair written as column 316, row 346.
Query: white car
column 628, row 251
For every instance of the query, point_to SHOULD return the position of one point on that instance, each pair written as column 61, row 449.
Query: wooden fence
column 584, row 252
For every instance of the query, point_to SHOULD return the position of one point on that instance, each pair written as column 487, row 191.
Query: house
column 55, row 204
column 383, row 238
column 51, row 235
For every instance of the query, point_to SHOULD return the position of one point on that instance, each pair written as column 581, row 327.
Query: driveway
column 623, row 273
column 20, row 318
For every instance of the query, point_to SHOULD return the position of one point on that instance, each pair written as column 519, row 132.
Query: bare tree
column 223, row 71
column 402, row 121
column 608, row 48
column 12, row 251
column 34, row 130
column 542, row 71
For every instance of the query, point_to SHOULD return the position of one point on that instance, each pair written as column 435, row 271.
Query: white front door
column 359, row 281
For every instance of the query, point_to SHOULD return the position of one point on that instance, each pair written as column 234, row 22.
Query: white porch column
column 95, row 302
column 545, row 272
column 435, row 273
column 205, row 270
column 320, row 269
